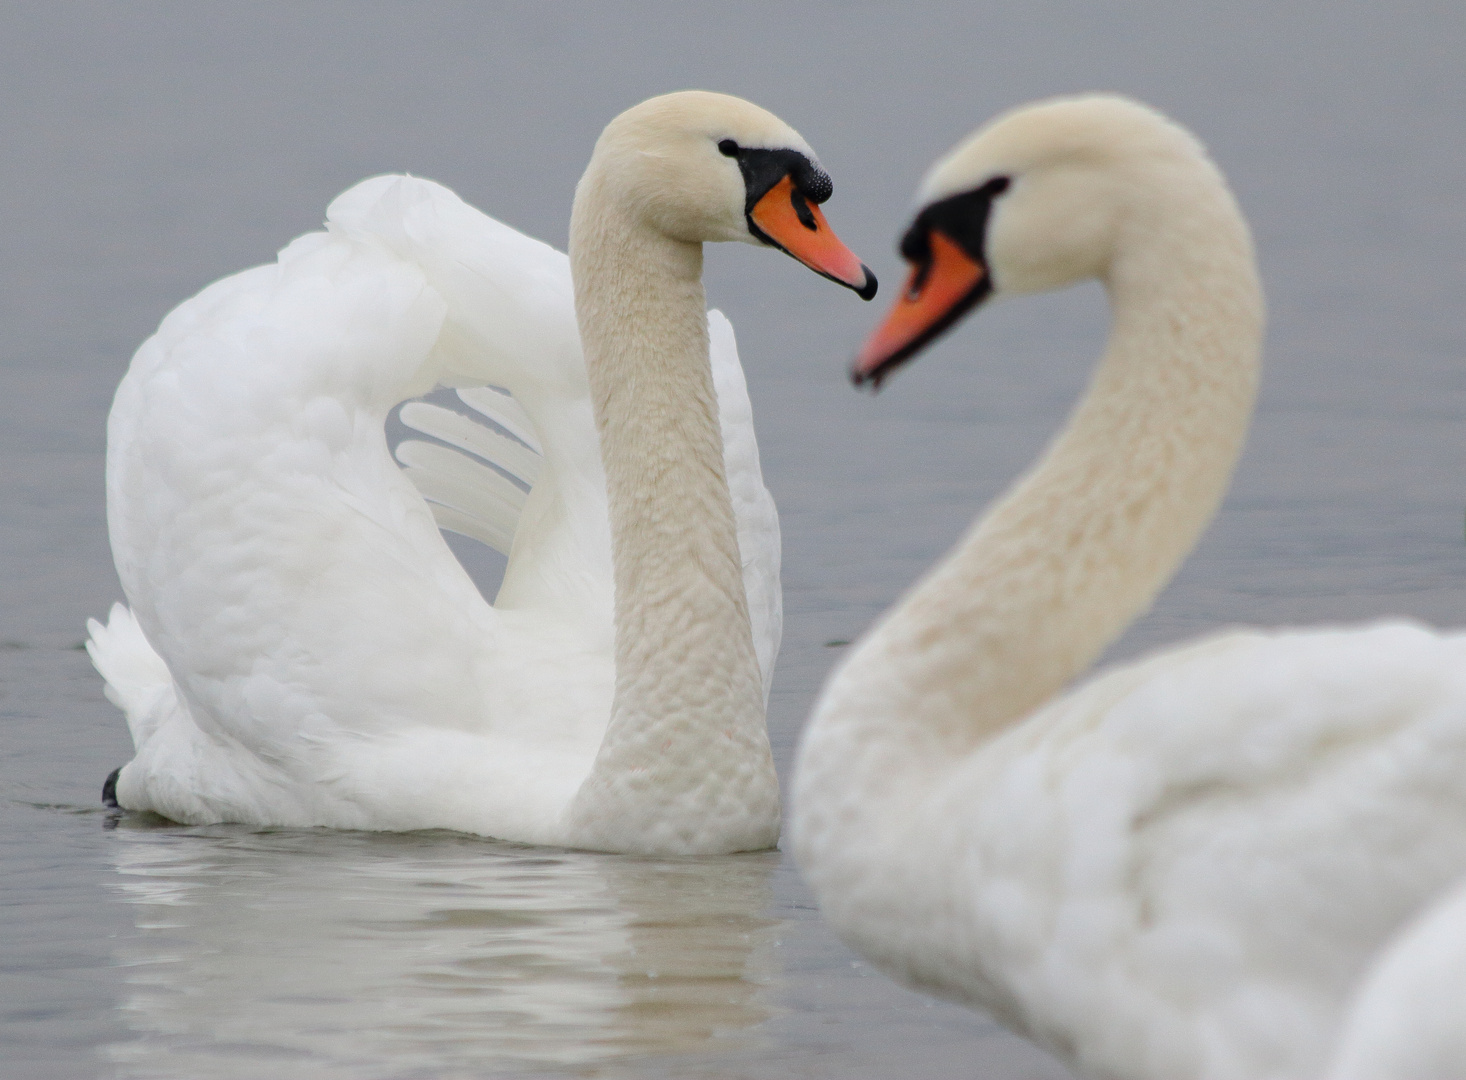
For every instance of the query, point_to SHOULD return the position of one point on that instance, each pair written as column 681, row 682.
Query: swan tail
column 137, row 680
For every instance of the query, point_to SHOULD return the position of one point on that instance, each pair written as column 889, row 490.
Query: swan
column 301, row 648
column 1405, row 1020
column 1180, row 867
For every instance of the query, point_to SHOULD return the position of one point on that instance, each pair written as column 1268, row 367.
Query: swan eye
column 728, row 148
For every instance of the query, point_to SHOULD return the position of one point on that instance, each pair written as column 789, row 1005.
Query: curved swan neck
column 1081, row 545
column 688, row 708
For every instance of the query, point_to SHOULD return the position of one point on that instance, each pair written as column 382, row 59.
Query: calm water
column 150, row 148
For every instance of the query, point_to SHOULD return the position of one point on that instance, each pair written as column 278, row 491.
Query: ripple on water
column 459, row 953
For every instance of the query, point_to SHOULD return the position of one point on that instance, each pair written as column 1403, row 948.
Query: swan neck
column 1082, row 544
column 688, row 707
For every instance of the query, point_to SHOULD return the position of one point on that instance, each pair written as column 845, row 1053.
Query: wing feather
column 500, row 407
column 486, row 503
column 512, row 455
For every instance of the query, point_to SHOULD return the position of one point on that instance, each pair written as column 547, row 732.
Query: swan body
column 1181, row 867
column 301, row 646
column 1405, row 1021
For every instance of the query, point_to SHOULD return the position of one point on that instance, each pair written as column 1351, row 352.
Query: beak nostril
column 802, row 210
column 916, row 283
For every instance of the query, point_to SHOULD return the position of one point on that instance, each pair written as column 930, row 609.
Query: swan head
column 1035, row 200
column 704, row 167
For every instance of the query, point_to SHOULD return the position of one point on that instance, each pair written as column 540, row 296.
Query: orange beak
column 937, row 294
column 789, row 221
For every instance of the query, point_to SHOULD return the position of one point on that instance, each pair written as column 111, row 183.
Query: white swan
column 1408, row 1019
column 1181, row 867
column 303, row 648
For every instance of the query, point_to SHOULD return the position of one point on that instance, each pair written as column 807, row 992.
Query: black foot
column 109, row 789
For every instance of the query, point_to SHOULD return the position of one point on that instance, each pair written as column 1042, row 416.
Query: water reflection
column 347, row 954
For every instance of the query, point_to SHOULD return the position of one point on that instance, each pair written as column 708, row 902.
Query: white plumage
column 1183, row 867
column 1406, row 1021
column 302, row 648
